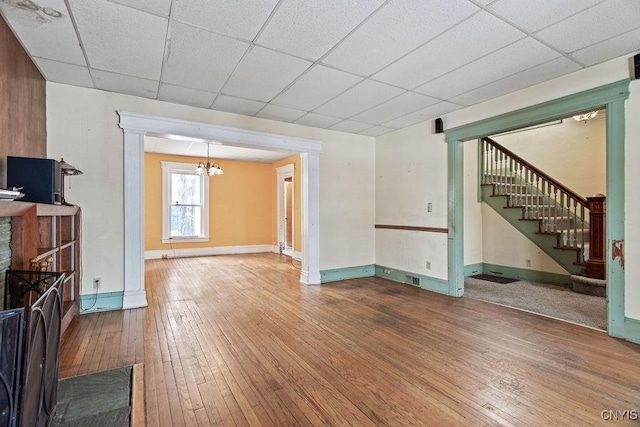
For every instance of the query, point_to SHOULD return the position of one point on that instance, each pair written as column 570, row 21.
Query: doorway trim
column 612, row 96
column 135, row 126
column 283, row 172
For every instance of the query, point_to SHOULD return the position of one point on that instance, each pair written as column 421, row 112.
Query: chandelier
column 209, row 168
column 585, row 116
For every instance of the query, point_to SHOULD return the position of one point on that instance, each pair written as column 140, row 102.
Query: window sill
column 185, row 240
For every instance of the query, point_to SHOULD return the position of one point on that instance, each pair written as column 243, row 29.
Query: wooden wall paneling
column 22, row 103
column 23, row 248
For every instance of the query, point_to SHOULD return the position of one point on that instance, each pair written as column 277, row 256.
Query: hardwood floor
column 236, row 340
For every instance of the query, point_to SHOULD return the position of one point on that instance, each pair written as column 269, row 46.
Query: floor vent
column 411, row 280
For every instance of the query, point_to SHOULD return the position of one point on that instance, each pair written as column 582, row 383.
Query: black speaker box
column 438, row 125
column 636, row 66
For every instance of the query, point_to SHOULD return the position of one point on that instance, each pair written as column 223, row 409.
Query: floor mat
column 99, row 399
column 494, row 279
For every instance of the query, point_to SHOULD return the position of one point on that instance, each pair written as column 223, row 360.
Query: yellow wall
column 297, row 200
column 241, row 203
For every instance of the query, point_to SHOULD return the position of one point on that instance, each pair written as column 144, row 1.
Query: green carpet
column 99, row 399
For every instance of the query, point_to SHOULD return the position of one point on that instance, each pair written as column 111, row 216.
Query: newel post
column 597, row 213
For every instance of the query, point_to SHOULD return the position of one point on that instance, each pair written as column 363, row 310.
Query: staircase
column 551, row 215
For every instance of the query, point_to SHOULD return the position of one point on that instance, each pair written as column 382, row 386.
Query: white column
column 134, row 293
column 310, row 272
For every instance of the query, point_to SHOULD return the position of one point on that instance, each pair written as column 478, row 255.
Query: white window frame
column 185, row 168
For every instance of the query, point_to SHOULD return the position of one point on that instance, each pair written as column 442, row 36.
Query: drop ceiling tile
column 274, row 157
column 606, row 20
column 125, row 84
column 315, row 87
column 200, row 59
column 406, row 103
column 45, row 35
column 398, row 28
column 377, row 131
column 350, row 126
column 511, row 59
column 428, row 113
column 232, row 104
column 169, row 146
column 477, row 36
column 282, row 114
column 250, row 154
column 186, row 96
column 263, row 73
column 60, row 72
column 363, row 96
column 120, row 39
column 233, row 18
column 317, row 120
column 532, row 16
column 550, row 70
column 157, row 7
column 309, row 28
column 626, row 43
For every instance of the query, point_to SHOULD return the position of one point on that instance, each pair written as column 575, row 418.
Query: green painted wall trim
column 347, row 273
column 455, row 220
column 524, row 274
column 473, row 269
column 612, row 96
column 540, row 113
column 426, row 282
column 94, row 303
column 632, row 332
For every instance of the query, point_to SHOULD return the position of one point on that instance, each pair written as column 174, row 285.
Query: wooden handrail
column 580, row 199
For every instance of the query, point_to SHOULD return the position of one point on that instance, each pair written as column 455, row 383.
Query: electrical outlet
column 96, row 283
column 428, row 265
column 528, row 262
column 386, row 271
column 429, row 207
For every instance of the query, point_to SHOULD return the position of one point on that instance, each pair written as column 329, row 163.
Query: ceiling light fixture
column 209, row 168
column 585, row 116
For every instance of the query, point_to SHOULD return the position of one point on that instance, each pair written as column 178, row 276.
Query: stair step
column 566, row 248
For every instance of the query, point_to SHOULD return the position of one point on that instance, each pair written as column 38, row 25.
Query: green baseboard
column 473, row 269
column 631, row 330
column 425, row 282
column 356, row 272
column 94, row 303
column 523, row 274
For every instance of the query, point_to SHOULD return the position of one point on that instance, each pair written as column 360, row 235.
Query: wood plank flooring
column 236, row 340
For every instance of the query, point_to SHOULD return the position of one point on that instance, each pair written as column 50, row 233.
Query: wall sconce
column 67, row 170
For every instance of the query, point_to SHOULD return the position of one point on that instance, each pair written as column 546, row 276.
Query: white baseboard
column 217, row 250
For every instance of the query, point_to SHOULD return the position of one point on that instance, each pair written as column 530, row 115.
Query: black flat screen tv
column 40, row 179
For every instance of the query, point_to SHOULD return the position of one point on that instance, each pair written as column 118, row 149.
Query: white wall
column 411, row 170
column 82, row 127
column 473, row 235
column 632, row 208
column 572, row 152
column 504, row 245
column 427, row 155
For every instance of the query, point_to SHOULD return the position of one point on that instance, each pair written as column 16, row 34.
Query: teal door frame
column 612, row 96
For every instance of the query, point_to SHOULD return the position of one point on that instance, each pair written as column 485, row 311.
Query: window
column 185, row 203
